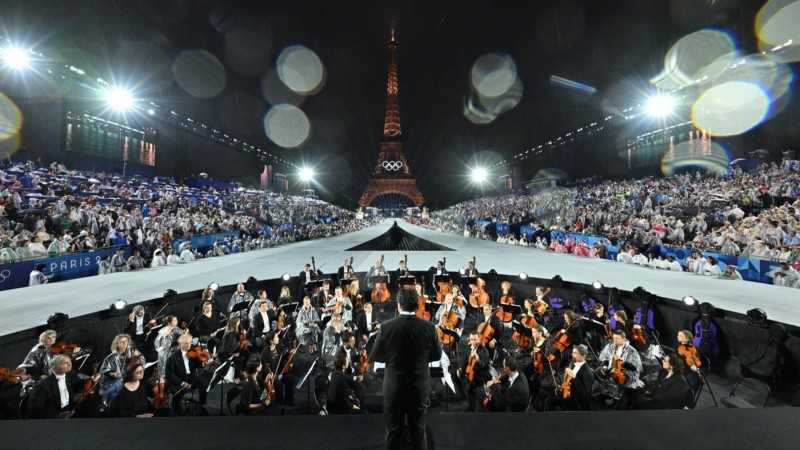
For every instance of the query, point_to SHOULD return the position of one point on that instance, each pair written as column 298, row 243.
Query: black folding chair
column 752, row 393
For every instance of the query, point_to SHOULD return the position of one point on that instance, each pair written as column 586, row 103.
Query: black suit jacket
column 672, row 393
column 513, row 398
column 482, row 374
column 406, row 344
column 176, row 371
column 258, row 323
column 361, row 323
column 338, row 394
column 45, row 400
column 496, row 325
column 130, row 327
column 581, row 391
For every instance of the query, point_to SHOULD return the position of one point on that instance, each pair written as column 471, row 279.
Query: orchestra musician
column 458, row 297
column 185, row 374
column 447, row 306
column 471, row 271
column 166, row 340
column 340, row 304
column 332, row 337
column 573, row 330
column 262, row 297
column 510, row 391
column 210, row 295
column 37, row 362
column 580, row 386
column 305, row 277
column 131, row 401
column 284, row 299
column 620, row 350
column 402, row 271
column 275, row 356
column 540, row 374
column 321, row 299
column 340, row 399
column 547, row 318
column 376, row 270
column 595, row 326
column 670, row 391
column 57, row 395
column 346, row 272
column 229, row 348
column 262, row 323
column 491, row 319
column 254, row 399
column 354, row 293
column 239, row 296
column 366, row 323
column 307, row 325
column 355, row 379
column 478, row 362
column 406, row 344
column 206, row 326
column 136, row 326
column 113, row 366
column 623, row 323
column 691, row 369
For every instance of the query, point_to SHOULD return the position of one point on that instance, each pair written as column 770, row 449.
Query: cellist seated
column 492, row 321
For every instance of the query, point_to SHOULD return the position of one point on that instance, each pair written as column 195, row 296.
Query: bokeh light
column 301, row 70
column 493, row 74
column 687, row 58
column 274, row 91
column 199, row 73
column 731, row 108
column 698, row 153
column 306, row 173
column 10, row 123
column 287, row 126
column 777, row 26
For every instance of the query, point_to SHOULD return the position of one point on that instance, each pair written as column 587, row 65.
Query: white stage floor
column 25, row 308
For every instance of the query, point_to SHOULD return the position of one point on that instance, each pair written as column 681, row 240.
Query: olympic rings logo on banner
column 4, row 275
column 392, row 166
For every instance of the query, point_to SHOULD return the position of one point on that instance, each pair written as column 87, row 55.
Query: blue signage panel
column 66, row 267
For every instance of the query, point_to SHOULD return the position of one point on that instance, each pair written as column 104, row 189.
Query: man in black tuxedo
column 184, row 374
column 57, row 395
column 477, row 362
column 580, row 386
column 491, row 319
column 510, row 395
column 306, row 276
column 346, row 271
column 406, row 344
column 366, row 322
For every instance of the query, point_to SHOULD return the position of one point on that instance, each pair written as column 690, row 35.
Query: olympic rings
column 392, row 166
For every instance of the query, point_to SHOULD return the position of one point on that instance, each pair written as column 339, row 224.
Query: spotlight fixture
column 758, row 316
column 169, row 295
column 558, row 281
column 119, row 99
column 523, row 276
column 117, row 308
column 250, row 283
column 462, row 271
column 597, row 285
column 213, row 286
column 688, row 300
column 286, row 277
column 57, row 320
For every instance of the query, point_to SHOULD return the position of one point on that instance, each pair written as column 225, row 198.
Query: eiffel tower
column 392, row 174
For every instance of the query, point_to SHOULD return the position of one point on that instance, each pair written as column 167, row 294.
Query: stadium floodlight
column 660, row 106
column 16, row 58
column 119, row 99
column 306, row 174
column 479, row 174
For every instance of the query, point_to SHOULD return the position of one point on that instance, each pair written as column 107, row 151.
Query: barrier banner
column 66, row 267
column 751, row 269
column 204, row 242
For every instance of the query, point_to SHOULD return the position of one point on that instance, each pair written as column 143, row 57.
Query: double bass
column 346, row 287
column 380, row 293
column 443, row 287
column 478, row 297
column 506, row 299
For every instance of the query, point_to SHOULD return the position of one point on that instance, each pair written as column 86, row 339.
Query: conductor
column 406, row 344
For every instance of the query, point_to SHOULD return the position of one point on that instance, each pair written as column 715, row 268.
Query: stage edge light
column 306, row 174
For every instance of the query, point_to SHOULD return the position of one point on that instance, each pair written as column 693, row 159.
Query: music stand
column 217, row 377
column 441, row 279
column 303, row 380
column 312, row 285
column 522, row 329
column 469, row 280
column 514, row 309
column 452, row 333
column 409, row 280
column 345, row 282
column 379, row 279
column 289, row 308
column 241, row 306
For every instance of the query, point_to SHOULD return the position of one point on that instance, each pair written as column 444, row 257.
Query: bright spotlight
column 523, row 276
column 306, row 174
column 286, row 277
column 119, row 99
column 597, row 285
column 689, row 300
column 16, row 58
column 479, row 175
column 119, row 304
column 213, row 286
column 660, row 106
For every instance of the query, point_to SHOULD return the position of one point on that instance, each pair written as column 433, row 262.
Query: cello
column 422, row 300
column 478, row 297
column 541, row 305
column 523, row 340
column 380, row 293
column 159, row 390
column 507, row 299
column 486, row 332
column 449, row 320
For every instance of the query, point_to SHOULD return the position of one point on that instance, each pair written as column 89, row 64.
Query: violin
column 421, row 311
column 89, row 392
column 689, row 353
column 538, row 362
column 380, row 294
column 486, row 332
column 618, row 375
column 243, row 340
column 13, row 376
column 487, row 401
column 363, row 363
column 566, row 387
column 287, row 369
column 199, row 354
column 470, row 371
column 638, row 335
column 269, row 386
column 62, row 347
column 159, row 390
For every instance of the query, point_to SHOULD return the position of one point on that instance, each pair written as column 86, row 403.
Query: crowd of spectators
column 740, row 213
column 51, row 210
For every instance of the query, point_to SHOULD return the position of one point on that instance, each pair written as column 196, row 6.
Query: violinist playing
column 619, row 354
column 185, row 373
column 325, row 293
column 255, row 398
column 58, row 394
column 572, row 330
column 691, row 358
column 449, row 306
column 137, row 325
column 113, row 366
column 458, row 297
column 509, row 393
column 539, row 366
column 340, row 304
column 166, row 340
column 340, row 398
column 580, row 384
column 36, row 364
column 356, row 381
column 474, row 371
column 231, row 346
column 366, row 323
column 622, row 323
column 275, row 355
column 597, row 326
column 493, row 344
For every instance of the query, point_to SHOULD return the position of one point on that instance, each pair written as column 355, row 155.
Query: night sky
column 596, row 43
